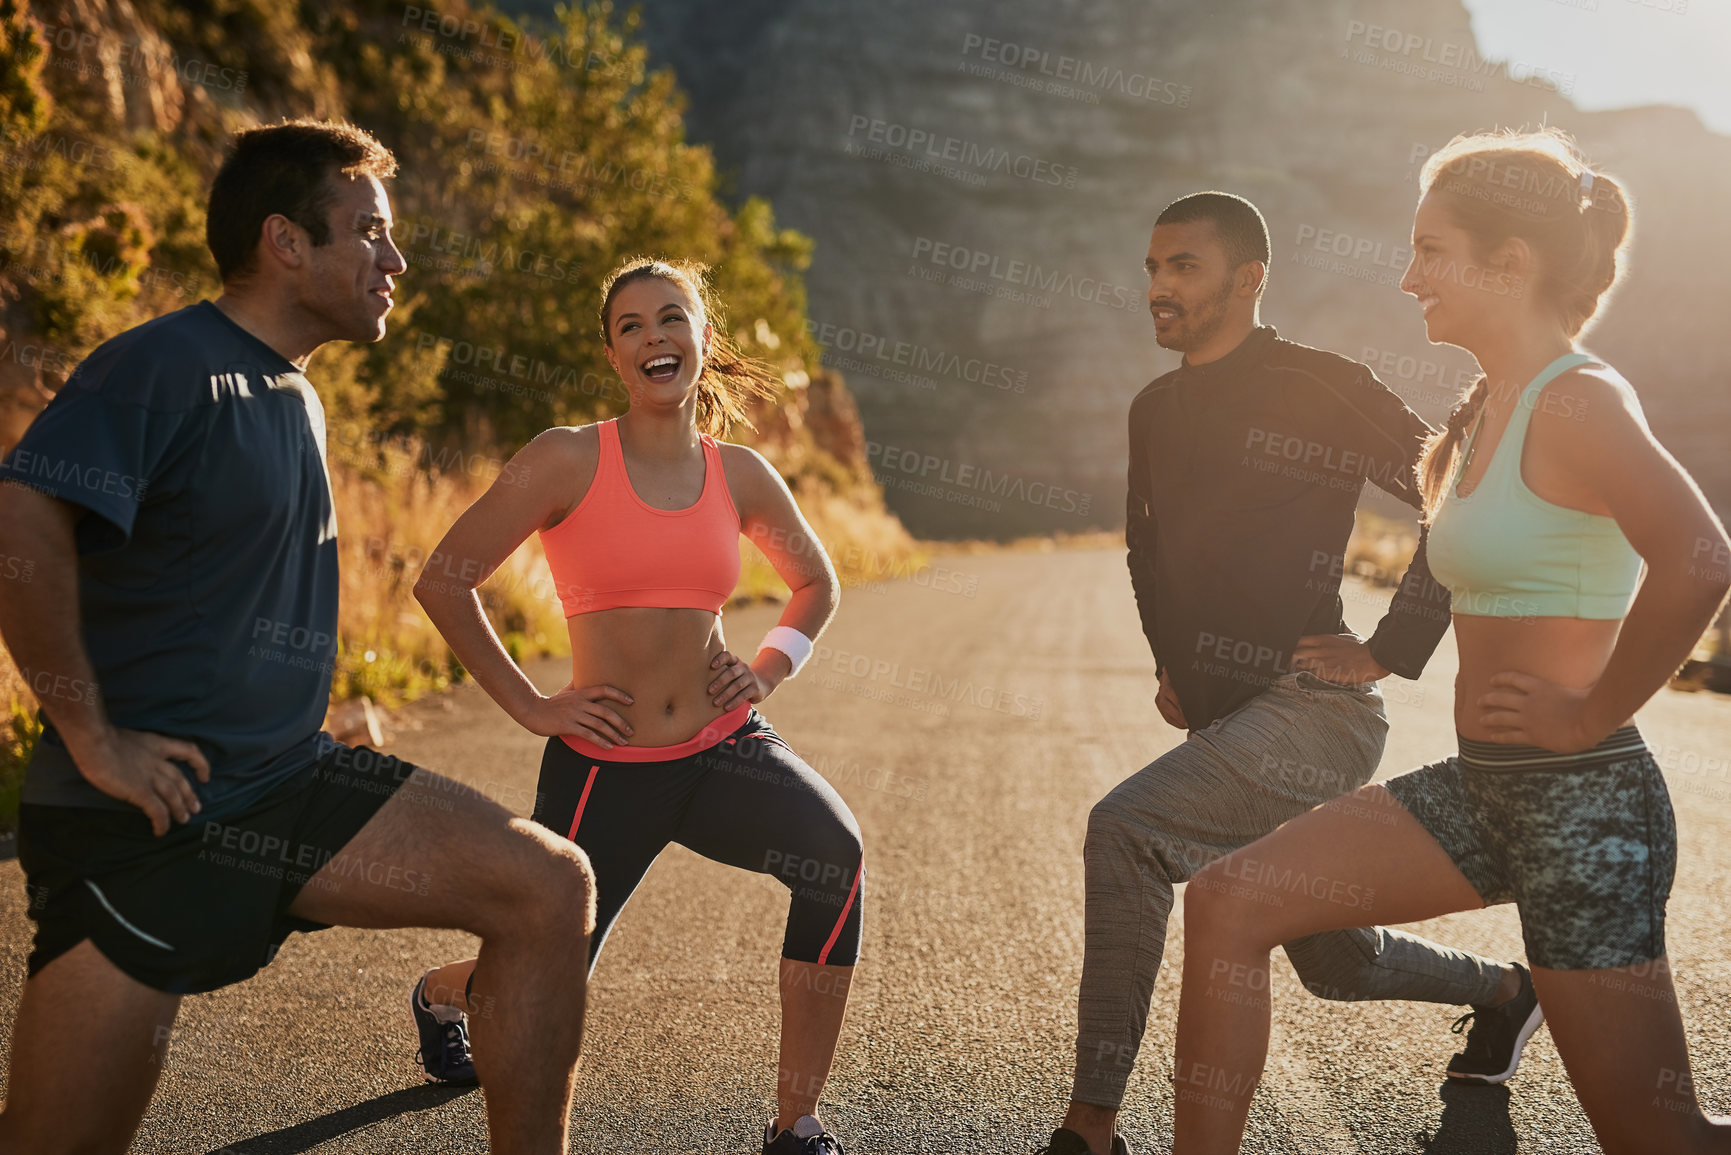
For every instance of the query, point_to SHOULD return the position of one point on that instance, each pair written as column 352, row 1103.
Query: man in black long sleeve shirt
column 1246, row 464
column 1244, row 474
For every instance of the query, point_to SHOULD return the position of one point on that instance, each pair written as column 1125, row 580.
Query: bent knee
column 1110, row 818
column 845, row 844
column 547, row 880
column 1114, row 834
column 560, row 866
column 1120, row 832
column 828, row 858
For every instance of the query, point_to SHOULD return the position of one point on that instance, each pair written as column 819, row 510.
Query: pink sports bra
column 617, row 550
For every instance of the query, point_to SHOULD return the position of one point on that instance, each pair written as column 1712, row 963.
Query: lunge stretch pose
column 656, row 739
column 1246, row 464
column 1539, row 528
column 182, row 812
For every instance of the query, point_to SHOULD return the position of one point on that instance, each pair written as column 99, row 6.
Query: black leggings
column 748, row 801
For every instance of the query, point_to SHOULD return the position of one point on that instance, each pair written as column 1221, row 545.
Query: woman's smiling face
column 1456, row 288
column 656, row 338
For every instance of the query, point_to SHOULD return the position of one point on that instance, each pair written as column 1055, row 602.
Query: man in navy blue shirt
column 183, row 812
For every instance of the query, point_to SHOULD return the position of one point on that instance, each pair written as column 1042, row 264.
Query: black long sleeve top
column 1244, row 474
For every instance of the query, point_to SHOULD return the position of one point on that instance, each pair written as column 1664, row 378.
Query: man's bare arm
column 39, row 621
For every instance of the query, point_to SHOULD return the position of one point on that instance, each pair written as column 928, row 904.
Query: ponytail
column 1436, row 463
column 1605, row 218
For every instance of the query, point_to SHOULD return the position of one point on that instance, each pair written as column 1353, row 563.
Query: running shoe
column 806, row 1137
column 1067, row 1142
column 444, row 1053
column 1497, row 1036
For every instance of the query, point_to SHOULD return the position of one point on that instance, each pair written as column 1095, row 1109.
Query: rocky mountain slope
column 981, row 176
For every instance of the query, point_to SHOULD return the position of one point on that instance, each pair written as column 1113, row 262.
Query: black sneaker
column 806, row 1137
column 444, row 1053
column 1498, row 1035
column 1066, row 1142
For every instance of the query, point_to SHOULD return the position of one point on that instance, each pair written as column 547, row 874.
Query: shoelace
column 1477, row 1043
column 456, row 1045
column 822, row 1144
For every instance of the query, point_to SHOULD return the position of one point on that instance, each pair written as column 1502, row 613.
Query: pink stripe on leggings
column 823, row 955
column 583, row 801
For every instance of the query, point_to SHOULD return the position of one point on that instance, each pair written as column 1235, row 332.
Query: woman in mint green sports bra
column 1583, row 565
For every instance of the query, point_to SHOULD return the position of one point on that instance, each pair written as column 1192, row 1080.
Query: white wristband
column 789, row 641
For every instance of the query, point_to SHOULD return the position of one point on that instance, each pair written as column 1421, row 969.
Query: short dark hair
column 1243, row 232
column 284, row 168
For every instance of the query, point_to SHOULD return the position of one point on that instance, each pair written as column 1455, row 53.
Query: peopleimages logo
column 919, row 358
column 1035, row 277
column 482, row 255
column 941, row 147
column 494, row 43
column 1457, row 64
column 25, row 464
column 930, row 469
column 23, row 150
column 1072, row 70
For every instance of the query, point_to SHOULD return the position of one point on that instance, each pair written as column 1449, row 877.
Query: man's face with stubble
column 1190, row 283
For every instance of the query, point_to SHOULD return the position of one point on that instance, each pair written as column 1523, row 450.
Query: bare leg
column 1327, row 869
column 1620, row 1035
column 87, row 1047
column 813, row 1004
column 530, row 896
column 446, row 985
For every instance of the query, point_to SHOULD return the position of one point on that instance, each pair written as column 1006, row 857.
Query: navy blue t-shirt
column 207, row 555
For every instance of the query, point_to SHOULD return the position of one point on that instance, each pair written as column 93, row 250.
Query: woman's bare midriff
column 1568, row 651
column 660, row 657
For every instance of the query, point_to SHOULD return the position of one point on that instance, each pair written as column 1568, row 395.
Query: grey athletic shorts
column 1583, row 844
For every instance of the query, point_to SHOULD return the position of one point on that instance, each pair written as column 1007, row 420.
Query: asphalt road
column 970, row 722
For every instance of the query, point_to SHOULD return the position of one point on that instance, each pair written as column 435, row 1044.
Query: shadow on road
column 1475, row 1121
column 306, row 1136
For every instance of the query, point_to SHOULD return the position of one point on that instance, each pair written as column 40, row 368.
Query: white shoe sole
column 1525, row 1033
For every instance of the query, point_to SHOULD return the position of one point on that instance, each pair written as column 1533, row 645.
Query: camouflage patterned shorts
column 1583, row 844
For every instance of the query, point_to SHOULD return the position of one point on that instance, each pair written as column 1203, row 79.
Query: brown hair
column 1538, row 187
column 730, row 379
column 284, row 168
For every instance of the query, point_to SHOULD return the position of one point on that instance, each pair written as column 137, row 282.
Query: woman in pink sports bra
column 656, row 738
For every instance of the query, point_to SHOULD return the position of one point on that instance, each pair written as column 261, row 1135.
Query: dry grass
column 18, row 731
column 1036, row 543
column 864, row 541
column 390, row 520
column 392, row 513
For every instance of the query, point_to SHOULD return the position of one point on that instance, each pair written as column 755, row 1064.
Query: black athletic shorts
column 205, row 905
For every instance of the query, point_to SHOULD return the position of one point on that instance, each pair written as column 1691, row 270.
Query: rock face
column 981, row 176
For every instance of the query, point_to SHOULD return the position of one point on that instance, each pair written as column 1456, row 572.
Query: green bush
column 505, row 254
